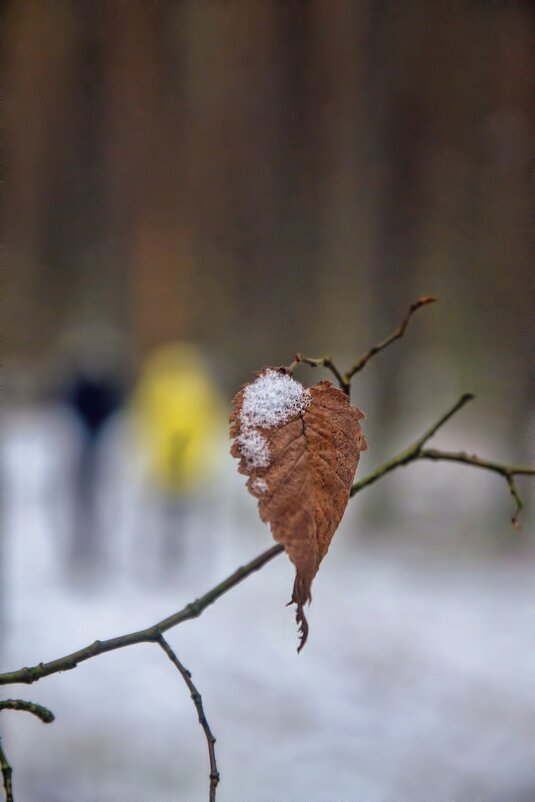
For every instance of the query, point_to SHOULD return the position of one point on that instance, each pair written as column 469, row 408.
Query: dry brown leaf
column 300, row 449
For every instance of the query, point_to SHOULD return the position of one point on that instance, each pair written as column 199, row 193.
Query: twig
column 413, row 451
column 344, row 379
column 507, row 471
column 197, row 701
column 416, row 452
column 321, row 361
column 396, row 335
column 42, row 713
column 28, row 675
column 513, row 489
column 464, row 399
column 7, row 774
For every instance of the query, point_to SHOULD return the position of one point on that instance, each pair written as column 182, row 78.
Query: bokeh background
column 198, row 189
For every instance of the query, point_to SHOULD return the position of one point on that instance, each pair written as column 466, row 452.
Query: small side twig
column 416, row 451
column 7, row 775
column 197, row 701
column 507, row 471
column 344, row 379
column 325, row 362
column 396, row 335
column 428, row 434
column 413, row 451
column 40, row 712
column 513, row 489
column 43, row 713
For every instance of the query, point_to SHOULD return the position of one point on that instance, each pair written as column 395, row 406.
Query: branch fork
column 344, row 379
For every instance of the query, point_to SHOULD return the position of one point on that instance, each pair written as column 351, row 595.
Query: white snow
column 254, row 448
column 271, row 400
column 416, row 684
column 259, row 486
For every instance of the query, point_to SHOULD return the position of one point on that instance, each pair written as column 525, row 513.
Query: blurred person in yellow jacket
column 179, row 418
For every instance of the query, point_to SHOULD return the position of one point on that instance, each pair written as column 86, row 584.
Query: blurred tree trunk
column 37, row 116
column 271, row 177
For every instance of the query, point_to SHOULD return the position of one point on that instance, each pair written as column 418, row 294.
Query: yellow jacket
column 179, row 414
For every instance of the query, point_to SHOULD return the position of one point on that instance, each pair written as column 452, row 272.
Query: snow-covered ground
column 416, row 684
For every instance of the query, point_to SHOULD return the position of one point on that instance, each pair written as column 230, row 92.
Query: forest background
column 261, row 179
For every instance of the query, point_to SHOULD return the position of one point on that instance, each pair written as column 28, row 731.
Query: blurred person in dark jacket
column 93, row 389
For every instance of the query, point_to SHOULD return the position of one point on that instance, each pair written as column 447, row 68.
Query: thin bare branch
column 7, row 775
column 396, row 335
column 325, row 362
column 40, row 712
column 507, row 471
column 513, row 489
column 417, row 452
column 344, row 379
column 28, row 675
column 413, row 451
column 197, row 701
column 464, row 399
column 477, row 462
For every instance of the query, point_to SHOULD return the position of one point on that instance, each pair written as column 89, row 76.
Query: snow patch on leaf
column 259, row 486
column 268, row 402
column 272, row 399
column 254, row 448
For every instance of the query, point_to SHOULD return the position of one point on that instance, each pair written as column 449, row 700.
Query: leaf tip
column 302, row 623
